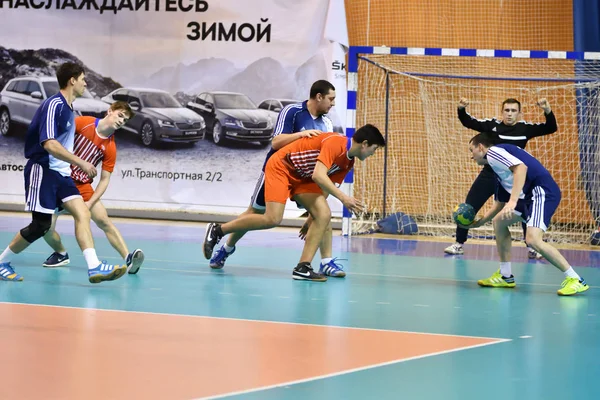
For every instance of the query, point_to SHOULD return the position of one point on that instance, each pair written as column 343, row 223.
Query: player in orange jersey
column 95, row 143
column 305, row 170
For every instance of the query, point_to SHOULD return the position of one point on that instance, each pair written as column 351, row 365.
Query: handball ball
column 464, row 214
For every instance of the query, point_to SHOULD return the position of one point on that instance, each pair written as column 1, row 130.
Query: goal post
column 411, row 94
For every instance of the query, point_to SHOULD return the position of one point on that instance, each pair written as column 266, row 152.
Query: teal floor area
column 554, row 347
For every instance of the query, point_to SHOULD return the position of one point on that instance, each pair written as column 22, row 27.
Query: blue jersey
column 296, row 118
column 503, row 156
column 54, row 119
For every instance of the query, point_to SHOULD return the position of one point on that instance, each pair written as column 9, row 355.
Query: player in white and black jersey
column 526, row 192
column 510, row 130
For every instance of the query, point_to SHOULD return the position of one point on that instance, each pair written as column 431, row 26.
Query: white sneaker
column 455, row 249
column 534, row 255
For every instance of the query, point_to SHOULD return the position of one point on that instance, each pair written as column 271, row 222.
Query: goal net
column 426, row 169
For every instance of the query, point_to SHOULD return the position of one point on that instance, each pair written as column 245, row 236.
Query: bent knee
column 104, row 224
column 534, row 240
column 272, row 220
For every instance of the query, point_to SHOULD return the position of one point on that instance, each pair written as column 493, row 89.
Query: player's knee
column 272, row 220
column 82, row 215
column 322, row 214
column 533, row 240
column 40, row 224
column 499, row 224
column 104, row 223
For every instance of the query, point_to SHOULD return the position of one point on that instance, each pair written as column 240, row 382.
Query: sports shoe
column 497, row 280
column 332, row 269
column 571, row 286
column 9, row 274
column 217, row 261
column 455, row 249
column 106, row 272
column 56, row 260
column 304, row 272
column 533, row 255
column 211, row 238
column 134, row 261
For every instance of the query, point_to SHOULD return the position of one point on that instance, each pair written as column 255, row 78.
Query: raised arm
column 550, row 126
column 468, row 121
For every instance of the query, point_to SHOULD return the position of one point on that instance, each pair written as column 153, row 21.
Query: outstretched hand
column 304, row 230
column 544, row 105
column 463, row 103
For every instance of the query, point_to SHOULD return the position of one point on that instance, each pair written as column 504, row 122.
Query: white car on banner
column 22, row 96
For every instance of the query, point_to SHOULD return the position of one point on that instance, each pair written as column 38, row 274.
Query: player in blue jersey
column 525, row 191
column 48, row 183
column 295, row 121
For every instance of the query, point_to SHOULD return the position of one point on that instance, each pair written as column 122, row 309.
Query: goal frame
column 354, row 53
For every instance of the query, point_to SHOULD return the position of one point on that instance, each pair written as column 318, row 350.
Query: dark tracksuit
column 518, row 134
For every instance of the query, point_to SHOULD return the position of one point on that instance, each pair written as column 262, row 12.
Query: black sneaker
column 211, row 239
column 304, row 272
column 56, row 260
column 134, row 261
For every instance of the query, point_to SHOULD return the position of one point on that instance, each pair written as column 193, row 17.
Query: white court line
column 251, row 320
column 348, row 371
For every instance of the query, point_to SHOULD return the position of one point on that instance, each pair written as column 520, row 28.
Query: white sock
column 326, row 260
column 227, row 248
column 505, row 269
column 7, row 255
column 570, row 273
column 91, row 258
column 62, row 253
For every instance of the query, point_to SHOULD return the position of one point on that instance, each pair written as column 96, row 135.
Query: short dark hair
column 371, row 134
column 511, row 101
column 484, row 138
column 320, row 87
column 66, row 71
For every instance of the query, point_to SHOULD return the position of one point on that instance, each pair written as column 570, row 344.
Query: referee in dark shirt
column 509, row 130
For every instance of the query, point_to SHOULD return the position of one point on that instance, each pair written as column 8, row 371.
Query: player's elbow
column 317, row 178
column 50, row 145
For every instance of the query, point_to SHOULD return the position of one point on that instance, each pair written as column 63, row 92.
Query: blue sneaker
column 106, row 272
column 332, row 269
column 9, row 274
column 218, row 259
column 56, row 260
column 134, row 261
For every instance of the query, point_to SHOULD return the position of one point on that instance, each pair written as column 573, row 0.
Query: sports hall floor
column 406, row 323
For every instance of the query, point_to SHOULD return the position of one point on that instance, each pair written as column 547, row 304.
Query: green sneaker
column 497, row 280
column 571, row 286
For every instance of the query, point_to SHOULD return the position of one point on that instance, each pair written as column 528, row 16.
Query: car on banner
column 233, row 117
column 22, row 96
column 159, row 117
column 274, row 106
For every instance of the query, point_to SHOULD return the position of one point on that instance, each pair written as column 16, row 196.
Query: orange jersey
column 93, row 148
column 301, row 156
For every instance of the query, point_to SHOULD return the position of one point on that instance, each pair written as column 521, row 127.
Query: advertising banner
column 207, row 79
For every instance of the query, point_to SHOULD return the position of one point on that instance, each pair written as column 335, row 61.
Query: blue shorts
column 46, row 189
column 539, row 204
column 258, row 197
